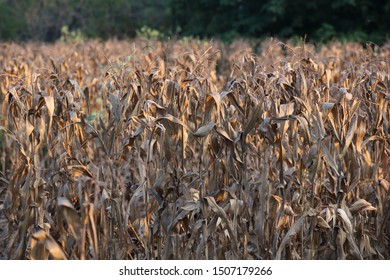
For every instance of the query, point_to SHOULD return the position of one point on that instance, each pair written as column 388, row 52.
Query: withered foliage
column 194, row 150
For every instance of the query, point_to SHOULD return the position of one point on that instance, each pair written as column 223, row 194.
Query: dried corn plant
column 194, row 150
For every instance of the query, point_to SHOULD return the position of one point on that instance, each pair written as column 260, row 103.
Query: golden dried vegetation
column 194, row 150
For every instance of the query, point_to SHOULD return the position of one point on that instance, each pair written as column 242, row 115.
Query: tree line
column 320, row 20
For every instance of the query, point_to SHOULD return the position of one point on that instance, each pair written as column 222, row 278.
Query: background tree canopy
column 319, row 20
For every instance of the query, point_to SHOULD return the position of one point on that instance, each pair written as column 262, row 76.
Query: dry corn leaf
column 350, row 133
column 295, row 228
column 340, row 240
column 43, row 245
column 72, row 218
column 79, row 170
column 254, row 118
column 288, row 210
column 384, row 184
column 221, row 213
column 204, row 130
column 322, row 223
column 347, row 225
column 361, row 205
column 330, row 161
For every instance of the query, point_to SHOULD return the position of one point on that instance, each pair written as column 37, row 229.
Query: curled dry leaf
column 204, row 130
column 321, row 223
column 79, row 170
column 350, row 133
column 346, row 223
column 295, row 228
column 71, row 216
column 360, row 206
column 384, row 184
column 326, row 213
column 277, row 198
column 327, row 107
column 288, row 210
column 43, row 246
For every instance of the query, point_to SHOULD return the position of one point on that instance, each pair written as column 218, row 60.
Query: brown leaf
column 295, row 228
column 322, row 223
column 204, row 130
column 361, row 205
column 347, row 225
column 350, row 133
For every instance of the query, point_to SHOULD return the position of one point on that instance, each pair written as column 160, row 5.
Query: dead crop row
column 194, row 150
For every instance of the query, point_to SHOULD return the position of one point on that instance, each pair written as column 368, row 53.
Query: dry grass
column 193, row 150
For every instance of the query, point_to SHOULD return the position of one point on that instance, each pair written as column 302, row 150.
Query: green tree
column 226, row 19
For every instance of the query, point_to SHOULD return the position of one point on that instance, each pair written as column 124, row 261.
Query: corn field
column 194, row 150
